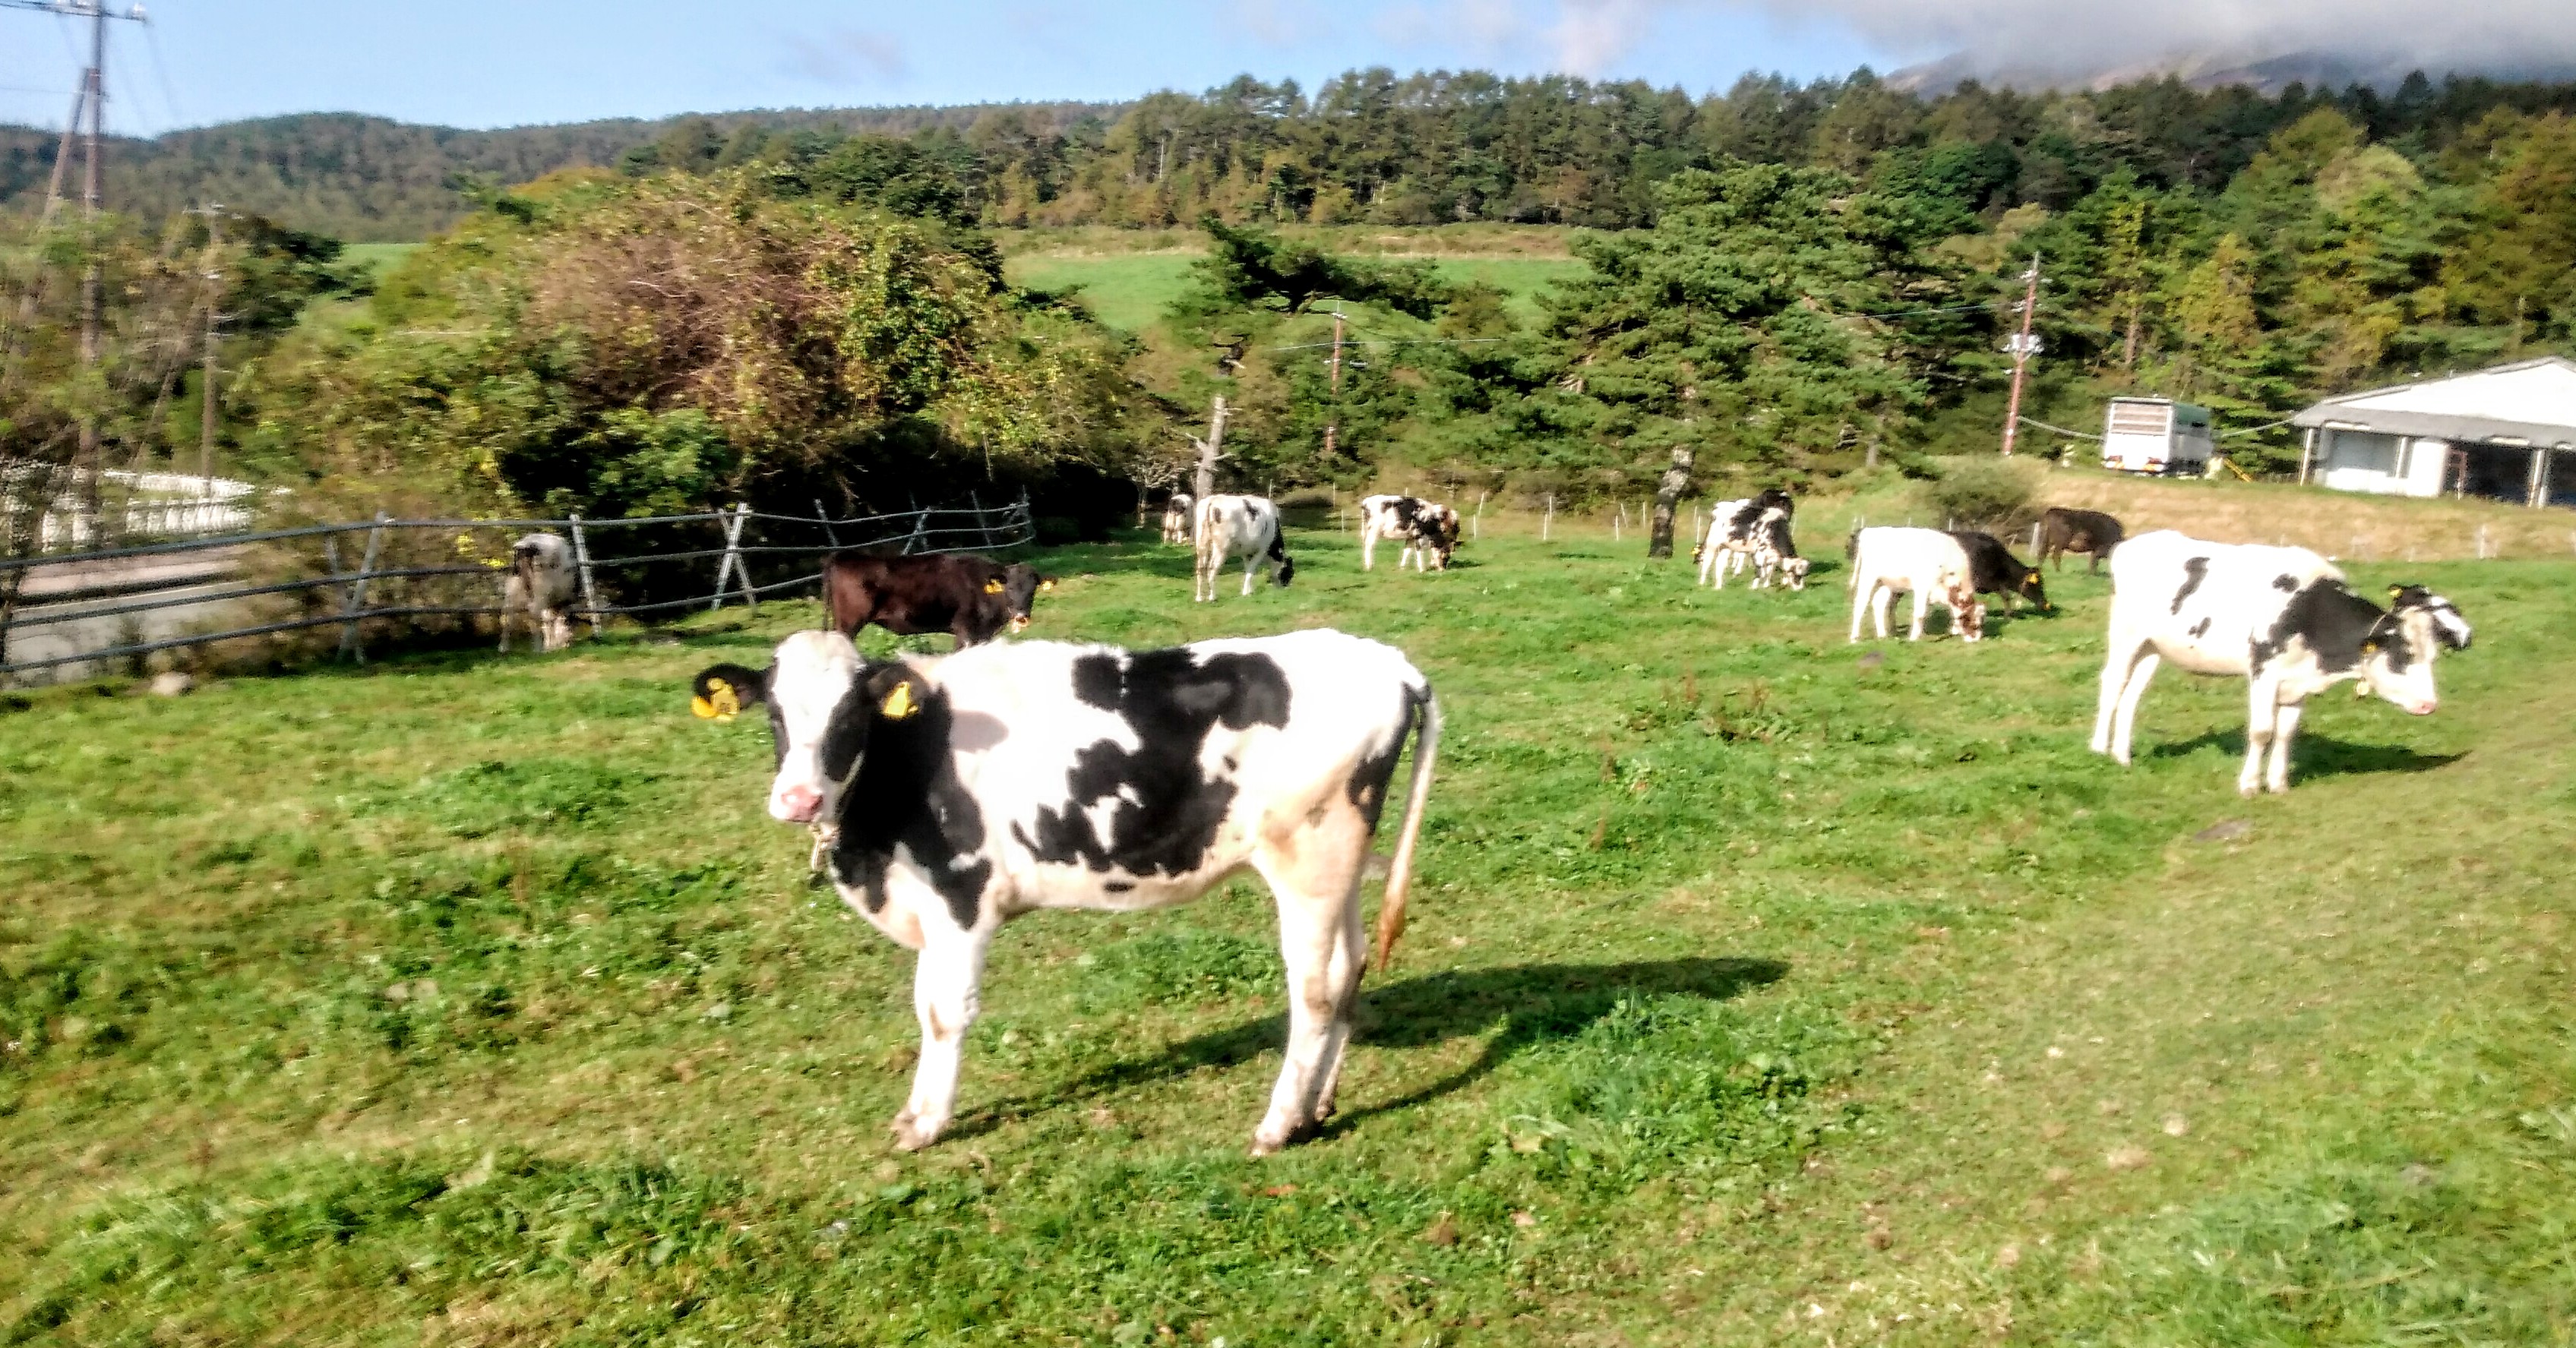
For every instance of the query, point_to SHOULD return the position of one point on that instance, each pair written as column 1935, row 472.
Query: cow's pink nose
column 796, row 804
column 2423, row 708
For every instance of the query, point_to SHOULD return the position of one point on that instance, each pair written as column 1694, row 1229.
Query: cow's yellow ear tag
column 2396, row 590
column 720, row 704
column 1046, row 586
column 2370, row 648
column 899, row 703
column 992, row 587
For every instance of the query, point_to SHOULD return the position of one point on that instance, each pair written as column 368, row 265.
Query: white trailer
column 2155, row 435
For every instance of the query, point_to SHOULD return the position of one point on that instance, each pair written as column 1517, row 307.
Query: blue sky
column 509, row 62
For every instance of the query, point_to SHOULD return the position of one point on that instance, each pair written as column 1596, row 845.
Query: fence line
column 385, row 587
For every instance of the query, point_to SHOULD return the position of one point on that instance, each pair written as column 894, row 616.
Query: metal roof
column 2530, row 402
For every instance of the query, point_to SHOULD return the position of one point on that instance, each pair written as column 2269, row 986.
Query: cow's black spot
column 2332, row 622
column 1118, row 886
column 1164, row 811
column 2201, row 628
column 906, row 794
column 2194, row 571
column 2285, row 583
column 1368, row 783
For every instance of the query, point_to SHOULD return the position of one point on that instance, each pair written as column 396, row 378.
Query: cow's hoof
column 911, row 1136
column 2248, row 791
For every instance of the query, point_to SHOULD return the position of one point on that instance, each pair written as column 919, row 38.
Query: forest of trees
column 1783, row 281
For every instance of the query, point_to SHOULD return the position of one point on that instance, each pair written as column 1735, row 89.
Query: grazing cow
column 2090, row 532
column 2280, row 618
column 971, row 598
column 1927, row 562
column 1176, row 518
column 1775, row 554
column 1428, row 528
column 541, row 584
column 1994, row 570
column 971, row 788
column 1249, row 525
column 1732, row 526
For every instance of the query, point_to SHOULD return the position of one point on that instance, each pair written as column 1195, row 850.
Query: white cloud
column 852, row 56
column 2082, row 36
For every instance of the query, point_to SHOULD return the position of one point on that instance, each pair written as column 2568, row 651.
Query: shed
column 2508, row 433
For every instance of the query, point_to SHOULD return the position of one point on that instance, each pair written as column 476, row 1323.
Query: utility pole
column 92, row 99
column 1333, row 419
column 2022, row 346
column 214, row 306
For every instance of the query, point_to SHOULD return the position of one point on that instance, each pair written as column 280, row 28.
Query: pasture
column 1759, row 988
column 1129, row 291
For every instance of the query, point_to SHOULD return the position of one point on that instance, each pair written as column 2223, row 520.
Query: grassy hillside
column 1129, row 289
column 1761, row 989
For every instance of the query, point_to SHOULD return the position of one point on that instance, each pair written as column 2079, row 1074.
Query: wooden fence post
column 741, row 567
column 1547, row 521
column 725, row 565
column 830, row 534
column 1477, row 530
column 356, row 598
column 581, row 564
column 983, row 530
column 920, row 522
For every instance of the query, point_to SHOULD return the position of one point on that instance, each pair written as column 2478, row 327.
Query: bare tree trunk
column 1203, row 483
column 1668, row 493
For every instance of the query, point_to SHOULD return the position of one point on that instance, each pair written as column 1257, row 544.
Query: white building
column 2508, row 433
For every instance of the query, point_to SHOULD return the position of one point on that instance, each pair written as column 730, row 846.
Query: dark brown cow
column 2090, row 532
column 971, row 598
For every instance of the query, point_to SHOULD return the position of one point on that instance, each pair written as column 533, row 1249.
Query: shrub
column 1984, row 494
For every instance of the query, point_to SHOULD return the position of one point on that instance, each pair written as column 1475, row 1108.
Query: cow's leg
column 2264, row 718
column 2285, row 728
column 1864, row 591
column 1922, row 596
column 946, row 981
column 2124, row 719
column 1251, row 563
column 1202, row 576
column 1315, row 874
column 1368, row 548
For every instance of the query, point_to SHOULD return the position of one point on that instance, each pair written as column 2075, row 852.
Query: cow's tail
column 1279, row 552
column 1399, row 868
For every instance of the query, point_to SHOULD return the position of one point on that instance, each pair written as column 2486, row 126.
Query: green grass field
column 378, row 258
column 1761, row 988
column 1131, row 290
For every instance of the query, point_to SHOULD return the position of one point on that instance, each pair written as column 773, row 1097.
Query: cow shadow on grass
column 2314, row 756
column 1521, row 1006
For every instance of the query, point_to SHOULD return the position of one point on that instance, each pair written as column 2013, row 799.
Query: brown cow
column 971, row 598
column 2063, row 530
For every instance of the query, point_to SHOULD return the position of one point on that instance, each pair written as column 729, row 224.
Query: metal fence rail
column 409, row 572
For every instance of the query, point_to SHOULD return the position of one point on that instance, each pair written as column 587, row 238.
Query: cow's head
column 2397, row 656
column 825, row 704
column 1795, row 568
column 1021, row 585
column 2030, row 588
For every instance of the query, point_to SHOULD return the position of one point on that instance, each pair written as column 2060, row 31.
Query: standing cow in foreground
column 971, row 788
column 973, row 599
column 542, row 584
column 1429, row 530
column 1227, row 525
column 1775, row 554
column 1994, row 570
column 2063, row 530
column 1927, row 562
column 2280, row 618
column 1176, row 518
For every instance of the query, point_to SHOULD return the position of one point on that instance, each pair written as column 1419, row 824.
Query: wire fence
column 384, row 578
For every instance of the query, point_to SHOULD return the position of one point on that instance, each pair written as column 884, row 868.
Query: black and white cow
column 1249, row 525
column 1428, row 529
column 1927, row 562
column 965, row 790
column 1994, row 570
column 1733, row 530
column 2282, row 619
column 1775, row 554
column 542, row 583
column 1176, row 518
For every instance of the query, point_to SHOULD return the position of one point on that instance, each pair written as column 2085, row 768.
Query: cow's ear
column 720, row 692
column 897, row 692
